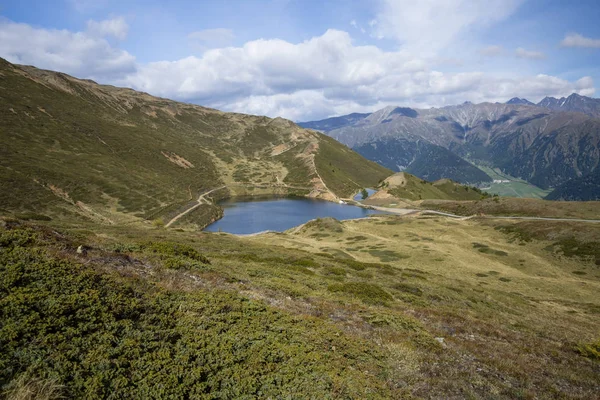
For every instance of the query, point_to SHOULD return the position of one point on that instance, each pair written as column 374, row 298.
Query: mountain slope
column 539, row 145
column 516, row 100
column 409, row 187
column 74, row 147
column 574, row 102
column 329, row 124
column 423, row 159
column 585, row 188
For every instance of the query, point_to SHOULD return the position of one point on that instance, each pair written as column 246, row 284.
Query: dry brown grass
column 509, row 206
column 510, row 317
column 28, row 388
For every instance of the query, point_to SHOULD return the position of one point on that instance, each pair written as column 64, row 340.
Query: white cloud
column 329, row 75
column 116, row 27
column 355, row 25
column 533, row 55
column 492, row 51
column 263, row 67
column 211, row 38
column 77, row 53
column 431, row 25
column 323, row 76
column 577, row 40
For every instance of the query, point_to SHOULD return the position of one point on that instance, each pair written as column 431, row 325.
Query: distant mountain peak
column 575, row 102
column 517, row 100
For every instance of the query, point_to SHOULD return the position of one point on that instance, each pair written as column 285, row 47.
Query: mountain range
column 546, row 144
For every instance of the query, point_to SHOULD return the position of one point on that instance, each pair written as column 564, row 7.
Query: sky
column 312, row 59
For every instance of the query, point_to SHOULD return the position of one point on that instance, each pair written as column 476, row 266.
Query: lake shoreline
column 246, row 215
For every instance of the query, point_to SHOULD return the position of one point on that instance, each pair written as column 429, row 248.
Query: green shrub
column 367, row 292
column 336, row 271
column 406, row 288
column 396, row 322
column 184, row 263
column 174, row 249
column 71, row 331
column 483, row 248
column 31, row 216
column 590, row 350
column 18, row 237
column 306, row 262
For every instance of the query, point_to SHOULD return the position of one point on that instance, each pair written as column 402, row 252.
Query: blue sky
column 305, row 59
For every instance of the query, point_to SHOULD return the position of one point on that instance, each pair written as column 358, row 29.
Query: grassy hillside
column 385, row 307
column 105, row 335
column 343, row 170
column 405, row 186
column 72, row 148
column 506, row 206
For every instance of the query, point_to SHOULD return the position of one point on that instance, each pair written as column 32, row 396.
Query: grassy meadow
column 382, row 307
column 515, row 188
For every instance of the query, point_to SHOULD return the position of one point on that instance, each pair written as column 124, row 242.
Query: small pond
column 359, row 197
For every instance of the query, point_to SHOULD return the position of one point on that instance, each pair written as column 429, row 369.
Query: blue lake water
column 243, row 217
column 358, row 197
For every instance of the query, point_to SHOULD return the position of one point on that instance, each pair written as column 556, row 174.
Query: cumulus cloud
column 491, row 51
column 577, row 40
column 264, row 67
column 533, row 55
column 78, row 53
column 211, row 38
column 329, row 75
column 431, row 25
column 320, row 77
column 115, row 27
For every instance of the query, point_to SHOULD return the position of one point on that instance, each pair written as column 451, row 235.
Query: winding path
column 200, row 201
column 399, row 211
column 405, row 211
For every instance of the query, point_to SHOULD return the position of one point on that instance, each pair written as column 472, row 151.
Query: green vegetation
column 422, row 159
column 367, row 292
column 104, row 336
column 515, row 188
column 590, row 350
column 406, row 186
column 483, row 248
column 506, row 206
column 339, row 168
column 72, row 149
column 584, row 188
column 211, row 315
column 568, row 239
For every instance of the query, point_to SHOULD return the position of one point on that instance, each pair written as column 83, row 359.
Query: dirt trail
column 201, row 200
column 405, row 211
